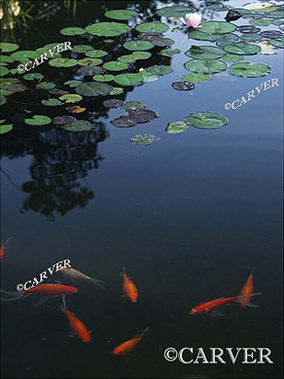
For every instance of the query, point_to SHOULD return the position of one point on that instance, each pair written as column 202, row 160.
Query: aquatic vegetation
column 205, row 52
column 196, row 78
column 8, row 47
column 38, row 120
column 242, row 48
column 93, row 89
column 150, row 27
column 144, row 140
column 191, row 19
column 138, row 45
column 205, row 66
column 176, row 127
column 128, row 79
column 277, row 43
column 249, row 70
column 72, row 31
column 206, row 120
column 51, row 102
column 133, row 106
column 5, row 128
column 174, row 11
column 183, row 86
column 71, row 98
column 216, row 27
column 113, row 103
column 121, row 14
column 78, row 126
column 63, row 120
column 107, row 29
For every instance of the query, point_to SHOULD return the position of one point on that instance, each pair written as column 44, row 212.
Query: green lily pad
column 5, row 128
column 33, row 76
column 145, row 140
column 51, row 102
column 90, row 61
column 78, row 126
column 24, row 55
column 250, row 70
column 96, row 53
column 196, row 78
column 72, row 83
column 261, row 22
column 232, row 58
column 4, row 71
column 260, row 7
column 107, row 29
column 156, row 27
column 45, row 85
column 175, row 127
column 141, row 55
column 227, row 39
column 121, row 14
column 103, row 78
column 6, row 59
column 38, row 120
column 116, row 91
column 205, row 66
column 138, row 45
column 205, row 52
column 113, row 103
column 127, row 58
column 72, row 31
column 71, row 98
column 216, row 27
column 251, row 37
column 277, row 43
column 159, row 70
column 147, row 77
column 90, row 70
column 62, row 62
column 81, row 48
column 162, row 42
column 206, row 120
column 133, row 105
column 242, row 48
column 169, row 52
column 128, row 79
column 93, row 89
column 115, row 66
column 175, row 11
column 196, row 34
column 7, row 47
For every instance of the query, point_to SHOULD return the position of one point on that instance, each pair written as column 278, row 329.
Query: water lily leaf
column 123, row 122
column 271, row 34
column 121, row 14
column 266, row 48
column 163, row 42
column 51, row 102
column 175, row 127
column 45, row 85
column 107, row 29
column 248, row 29
column 217, row 7
column 62, row 120
column 260, row 7
column 205, row 52
column 242, row 48
column 251, row 37
column 278, row 22
column 4, row 71
column 96, row 53
column 62, row 62
column 133, row 106
column 90, row 61
column 115, row 66
column 6, row 59
column 145, row 140
column 206, row 120
column 227, row 39
column 232, row 58
column 72, row 31
column 90, row 70
column 72, row 83
column 127, row 58
column 196, row 78
column 183, row 86
column 8, row 81
column 93, row 89
column 216, row 27
column 150, row 36
column 138, row 45
column 18, row 87
column 128, row 79
column 33, row 76
column 261, row 22
column 78, row 126
column 38, row 120
column 5, row 128
column 169, row 52
column 75, row 109
column 159, row 70
column 277, row 43
column 71, row 97
column 7, row 47
column 113, row 103
column 103, row 78
column 57, row 91
column 175, row 11
column 196, row 34
column 148, row 27
column 24, row 55
column 202, row 66
column 116, row 91
column 141, row 55
column 3, row 100
column 142, row 116
column 249, row 70
column 81, row 48
column 147, row 77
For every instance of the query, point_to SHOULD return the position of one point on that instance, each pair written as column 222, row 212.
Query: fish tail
column 241, row 299
column 98, row 283
column 144, row 332
column 123, row 271
column 14, row 296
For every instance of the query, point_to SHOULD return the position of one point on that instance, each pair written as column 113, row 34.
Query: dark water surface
column 189, row 217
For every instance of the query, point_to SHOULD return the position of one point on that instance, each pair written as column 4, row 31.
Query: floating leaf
column 232, row 58
column 271, row 34
column 3, row 100
column 72, row 83
column 121, row 14
column 123, row 122
column 75, row 109
column 78, row 126
column 169, row 52
column 38, row 120
column 175, row 11
column 161, row 42
column 196, row 78
column 128, row 79
column 5, row 128
column 141, row 116
column 93, row 89
column 138, row 45
column 147, row 77
column 90, row 61
column 148, row 27
column 51, row 102
column 81, row 48
column 145, row 140
column 7, row 47
column 113, row 103
column 205, row 66
column 260, row 7
column 90, row 70
column 24, row 55
column 176, row 127
column 72, row 31
column 57, row 92
column 33, row 76
column 71, row 97
column 127, row 58
column 103, row 78
column 16, row 87
column 196, row 34
column 115, row 66
column 206, row 120
column 3, row 71
column 116, row 91
column 183, row 86
column 62, row 120
column 277, row 43
column 205, row 52
column 45, row 85
column 216, row 27
column 6, row 59
column 248, row 29
column 141, row 54
column 150, row 36
column 62, row 62
column 249, row 70
column 96, row 53
column 242, row 48
column 227, row 39
column 133, row 105
column 159, row 70
column 107, row 29
column 262, row 22
column 251, row 37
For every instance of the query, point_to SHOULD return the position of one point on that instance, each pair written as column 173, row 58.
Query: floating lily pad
column 216, row 27
column 38, row 120
column 150, row 36
column 72, row 83
column 133, row 105
column 147, row 77
column 260, row 7
column 169, row 52
column 96, row 53
column 196, row 34
column 217, row 7
column 51, row 102
column 33, row 76
column 81, row 48
column 75, row 109
column 242, row 48
column 93, row 89
column 205, row 52
column 183, row 86
column 72, row 31
column 145, row 140
column 18, row 87
column 71, row 97
column 248, row 29
column 4, row 71
column 128, row 79
column 103, row 78
column 5, row 128
column 90, row 70
column 6, row 59
column 227, row 39
column 121, row 14
column 159, row 70
column 141, row 116
column 249, row 70
column 57, row 92
column 45, row 85
column 202, row 66
column 271, row 34
column 162, row 42
column 62, row 120
column 90, row 61
column 148, row 27
column 277, row 43
column 141, row 55
column 175, row 11
column 24, row 55
column 196, row 78
column 261, row 22
column 113, row 103
column 127, row 58
column 115, row 66
column 107, row 29
column 123, row 122
column 78, row 126
column 175, row 127
column 251, row 37
column 116, row 91
column 7, row 47
column 62, row 62
column 206, row 120
column 232, row 58
column 138, row 45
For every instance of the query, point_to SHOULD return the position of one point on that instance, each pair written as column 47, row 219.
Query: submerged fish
column 76, row 274
column 127, row 346
column 129, row 288
column 246, row 290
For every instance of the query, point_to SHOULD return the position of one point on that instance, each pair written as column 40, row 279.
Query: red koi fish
column 129, row 288
column 78, row 328
column 211, row 307
column 41, row 289
column 76, row 274
column 3, row 248
column 127, row 346
column 246, row 290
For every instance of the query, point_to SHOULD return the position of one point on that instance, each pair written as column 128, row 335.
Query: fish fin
column 42, row 301
column 63, row 305
column 216, row 313
column 14, row 296
column 144, row 331
column 98, row 283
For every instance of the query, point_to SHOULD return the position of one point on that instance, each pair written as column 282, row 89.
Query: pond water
column 189, row 216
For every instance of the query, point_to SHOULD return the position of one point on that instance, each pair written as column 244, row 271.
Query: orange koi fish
column 129, row 288
column 210, row 307
column 246, row 290
column 41, row 289
column 2, row 248
column 127, row 346
column 78, row 328
column 76, row 274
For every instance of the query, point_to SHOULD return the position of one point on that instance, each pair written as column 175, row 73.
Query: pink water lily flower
column 192, row 19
